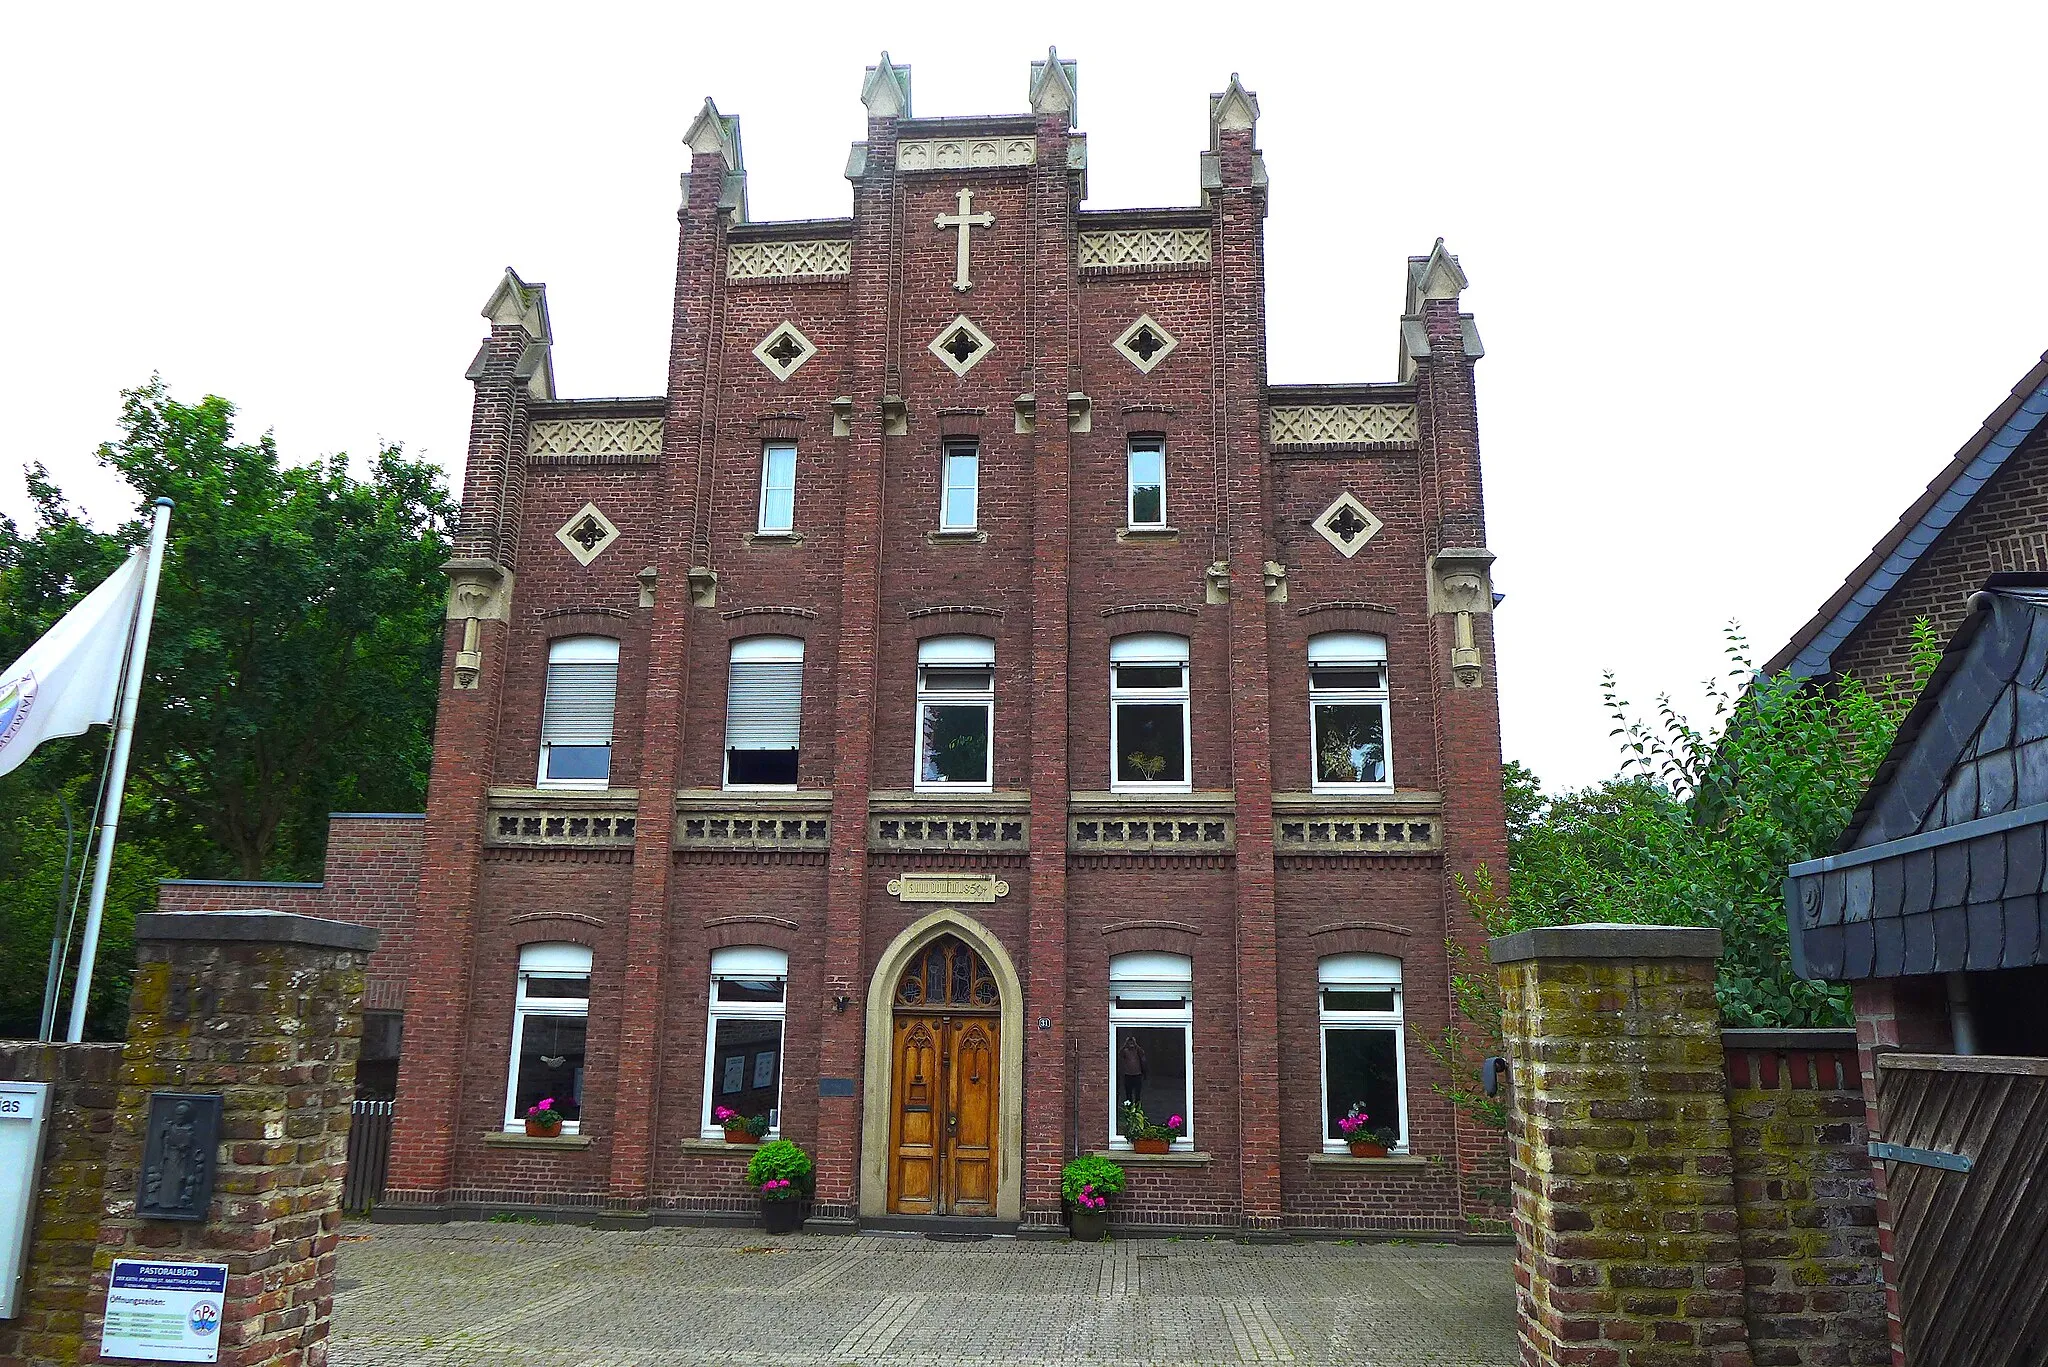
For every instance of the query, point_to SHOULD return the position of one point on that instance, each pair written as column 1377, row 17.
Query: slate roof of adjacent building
column 1943, row 866
column 1810, row 653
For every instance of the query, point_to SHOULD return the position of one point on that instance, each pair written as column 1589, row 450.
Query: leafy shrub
column 1088, row 1172
column 781, row 1160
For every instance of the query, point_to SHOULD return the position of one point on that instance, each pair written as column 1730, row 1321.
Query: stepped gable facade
column 969, row 700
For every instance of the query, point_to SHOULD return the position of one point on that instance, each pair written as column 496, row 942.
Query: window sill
column 1166, row 534
column 968, row 537
column 772, row 538
column 513, row 1139
column 720, row 1146
column 1183, row 1158
column 1393, row 1162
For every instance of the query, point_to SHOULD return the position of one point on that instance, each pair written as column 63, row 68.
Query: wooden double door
column 943, row 1127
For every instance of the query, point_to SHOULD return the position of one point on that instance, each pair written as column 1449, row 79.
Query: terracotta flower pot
column 1088, row 1226
column 1152, row 1145
column 782, row 1217
column 1367, row 1148
column 543, row 1129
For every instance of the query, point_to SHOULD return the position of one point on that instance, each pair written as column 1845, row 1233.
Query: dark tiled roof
column 1810, row 652
column 1944, row 864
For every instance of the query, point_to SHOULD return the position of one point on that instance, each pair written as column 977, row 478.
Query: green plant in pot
column 1366, row 1139
column 543, row 1121
column 1087, row 1183
column 783, row 1174
column 740, row 1129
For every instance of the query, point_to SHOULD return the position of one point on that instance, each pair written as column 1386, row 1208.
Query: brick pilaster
column 871, row 379
column 1624, row 1192
column 465, row 731
column 1239, row 208
column 1054, row 196
column 1462, row 676
column 688, row 425
column 265, row 1008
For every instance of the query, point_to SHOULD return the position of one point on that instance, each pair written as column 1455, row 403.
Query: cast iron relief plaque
column 178, row 1151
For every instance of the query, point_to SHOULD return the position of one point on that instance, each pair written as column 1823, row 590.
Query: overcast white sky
column 1747, row 275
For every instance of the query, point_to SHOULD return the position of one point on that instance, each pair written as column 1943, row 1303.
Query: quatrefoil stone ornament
column 784, row 350
column 1145, row 344
column 587, row 534
column 1347, row 524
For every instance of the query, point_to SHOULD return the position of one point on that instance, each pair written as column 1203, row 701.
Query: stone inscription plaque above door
column 948, row 887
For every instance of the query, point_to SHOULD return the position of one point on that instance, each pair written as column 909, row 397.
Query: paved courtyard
column 558, row 1296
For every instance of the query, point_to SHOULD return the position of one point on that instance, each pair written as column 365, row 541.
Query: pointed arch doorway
column 942, row 1113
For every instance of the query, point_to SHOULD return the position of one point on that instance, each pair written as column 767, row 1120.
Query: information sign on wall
column 164, row 1312
column 24, row 1108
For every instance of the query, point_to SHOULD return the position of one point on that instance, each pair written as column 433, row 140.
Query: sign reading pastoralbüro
column 164, row 1312
column 71, row 679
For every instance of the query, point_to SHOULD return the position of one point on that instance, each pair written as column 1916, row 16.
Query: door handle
column 952, row 1124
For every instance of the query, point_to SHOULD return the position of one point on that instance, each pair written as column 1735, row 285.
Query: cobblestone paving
column 558, row 1296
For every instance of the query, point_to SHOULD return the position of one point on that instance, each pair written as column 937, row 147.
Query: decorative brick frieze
column 710, row 820
column 787, row 260
column 1138, row 248
column 1354, row 425
column 1119, row 823
column 995, row 823
column 535, row 818
column 965, row 154
column 595, row 441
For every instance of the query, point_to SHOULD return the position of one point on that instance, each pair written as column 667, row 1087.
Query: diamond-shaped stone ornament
column 1347, row 524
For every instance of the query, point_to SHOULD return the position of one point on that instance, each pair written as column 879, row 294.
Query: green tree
column 292, row 668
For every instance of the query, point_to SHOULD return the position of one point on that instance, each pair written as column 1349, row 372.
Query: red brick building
column 970, row 698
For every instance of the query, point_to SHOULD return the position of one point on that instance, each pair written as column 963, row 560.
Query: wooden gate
column 1970, row 1248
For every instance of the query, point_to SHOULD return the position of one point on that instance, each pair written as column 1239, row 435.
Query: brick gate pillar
column 1626, row 1243
column 266, row 1008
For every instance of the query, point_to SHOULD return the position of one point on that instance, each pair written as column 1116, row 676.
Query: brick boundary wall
column 48, row 1330
column 1684, row 1196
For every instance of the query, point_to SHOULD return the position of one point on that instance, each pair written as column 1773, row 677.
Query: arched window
column 576, row 719
column 1148, row 713
column 1151, row 1043
column 764, row 694
column 1347, row 703
column 956, row 709
column 1364, row 1061
column 549, row 1013
column 743, row 1055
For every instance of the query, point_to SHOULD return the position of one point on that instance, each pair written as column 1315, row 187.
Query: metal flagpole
column 117, row 777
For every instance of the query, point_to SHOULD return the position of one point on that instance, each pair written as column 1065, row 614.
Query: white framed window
column 959, row 504
column 956, row 712
column 1152, row 1042
column 764, row 695
column 1145, row 484
column 549, row 1013
column 1347, row 703
column 576, row 719
column 778, row 487
column 1148, row 714
column 743, row 1043
column 1364, row 1058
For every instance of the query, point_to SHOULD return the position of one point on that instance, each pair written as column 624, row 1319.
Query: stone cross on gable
column 963, row 221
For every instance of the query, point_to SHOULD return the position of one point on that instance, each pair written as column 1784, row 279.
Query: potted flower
column 1366, row 1139
column 740, row 1129
column 781, row 1171
column 1088, row 1183
column 1148, row 1136
column 543, row 1121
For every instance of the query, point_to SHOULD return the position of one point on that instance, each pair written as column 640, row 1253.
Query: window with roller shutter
column 576, row 719
column 764, row 712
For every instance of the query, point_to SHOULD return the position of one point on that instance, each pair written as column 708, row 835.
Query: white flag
column 70, row 679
